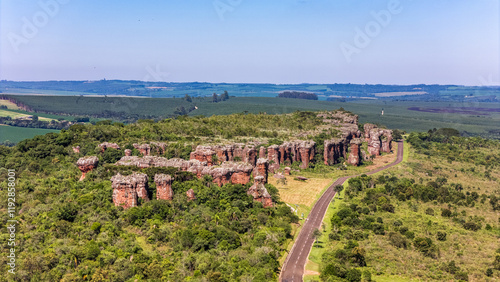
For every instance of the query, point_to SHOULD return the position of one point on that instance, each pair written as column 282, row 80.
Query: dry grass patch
column 300, row 192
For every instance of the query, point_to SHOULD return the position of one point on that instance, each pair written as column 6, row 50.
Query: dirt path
column 294, row 266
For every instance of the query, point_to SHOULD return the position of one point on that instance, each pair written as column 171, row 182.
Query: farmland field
column 16, row 134
column 405, row 115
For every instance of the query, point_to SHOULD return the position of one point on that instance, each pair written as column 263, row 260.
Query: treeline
column 298, row 95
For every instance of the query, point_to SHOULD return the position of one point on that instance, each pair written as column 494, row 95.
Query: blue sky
column 287, row 41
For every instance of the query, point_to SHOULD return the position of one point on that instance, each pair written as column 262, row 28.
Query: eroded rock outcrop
column 355, row 152
column 379, row 140
column 128, row 152
column 241, row 172
column 190, row 195
column 203, row 154
column 259, row 192
column 144, row 149
column 334, row 149
column 164, row 187
column 306, row 151
column 76, row 149
column 87, row 164
column 106, row 145
column 261, row 169
column 386, row 140
column 126, row 189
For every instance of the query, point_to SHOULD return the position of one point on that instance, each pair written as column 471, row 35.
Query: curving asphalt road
column 294, row 266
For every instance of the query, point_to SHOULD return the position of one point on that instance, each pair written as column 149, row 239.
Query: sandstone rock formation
column 306, row 151
column 190, row 194
column 355, row 152
column 334, row 149
column 379, row 140
column 87, row 164
column 164, row 187
column 76, row 149
column 262, row 152
column 260, row 193
column 261, row 168
column 144, row 149
column 128, row 152
column 386, row 139
column 203, row 154
column 106, row 145
column 126, row 189
column 287, row 170
column 241, row 172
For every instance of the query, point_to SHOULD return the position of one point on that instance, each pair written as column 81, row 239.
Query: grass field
column 16, row 134
column 17, row 114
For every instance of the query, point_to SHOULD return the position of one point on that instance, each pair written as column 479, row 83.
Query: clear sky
column 280, row 41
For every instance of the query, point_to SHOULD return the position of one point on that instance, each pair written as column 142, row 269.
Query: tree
column 338, row 188
column 316, row 234
column 224, row 96
column 215, row 99
column 188, row 98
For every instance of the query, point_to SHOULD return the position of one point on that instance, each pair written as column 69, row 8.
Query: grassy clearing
column 9, row 105
column 17, row 134
column 18, row 114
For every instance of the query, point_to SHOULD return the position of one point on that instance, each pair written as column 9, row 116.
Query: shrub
column 489, row 272
column 378, row 229
column 441, row 236
column 353, row 275
column 445, row 213
column 472, row 226
column 388, row 207
column 397, row 240
column 462, row 276
column 429, row 211
column 403, row 229
column 426, row 246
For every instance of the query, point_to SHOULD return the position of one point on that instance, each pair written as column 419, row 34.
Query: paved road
column 295, row 263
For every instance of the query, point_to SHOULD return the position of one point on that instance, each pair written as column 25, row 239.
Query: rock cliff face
column 126, row 189
column 260, row 193
column 379, row 140
column 355, row 152
column 386, row 141
column 106, row 145
column 306, row 152
column 87, row 164
column 261, row 168
column 241, row 172
column 204, row 154
column 144, row 149
column 164, row 187
column 334, row 149
column 262, row 152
